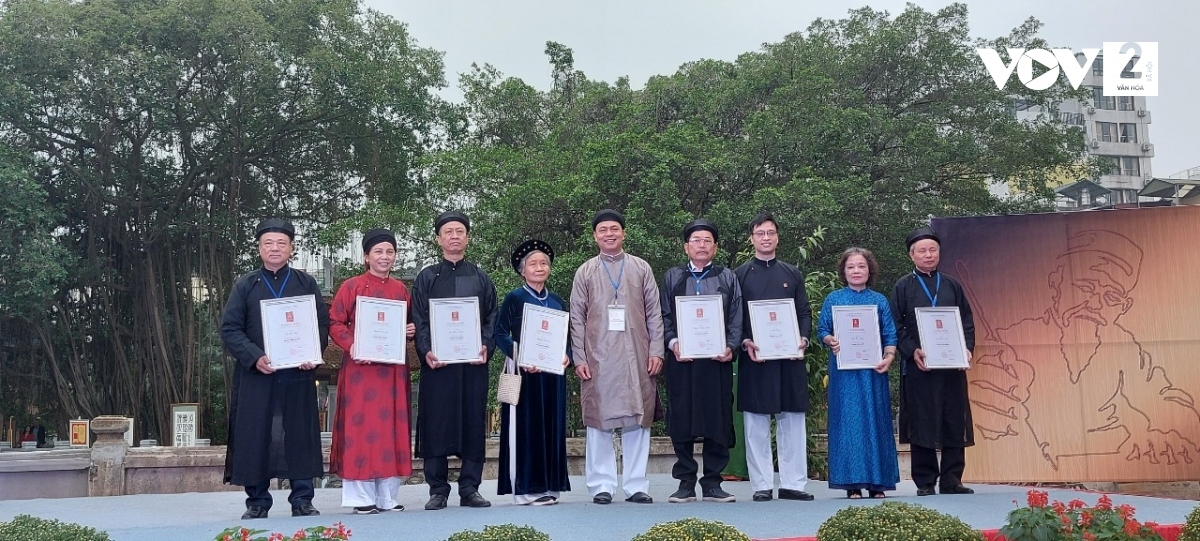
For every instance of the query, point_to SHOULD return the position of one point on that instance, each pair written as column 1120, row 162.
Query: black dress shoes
column 957, row 489
column 762, row 495
column 305, row 510
column 473, row 499
column 640, row 497
column 602, row 498
column 790, row 494
column 436, row 501
column 254, row 511
column 925, row 491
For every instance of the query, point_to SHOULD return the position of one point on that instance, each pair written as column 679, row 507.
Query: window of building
column 1125, row 103
column 1100, row 101
column 1106, row 131
column 1128, row 72
column 1129, row 166
column 1128, row 132
column 1071, row 119
column 1098, row 66
column 1110, row 165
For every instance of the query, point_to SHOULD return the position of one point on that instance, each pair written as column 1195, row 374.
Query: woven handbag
column 508, row 389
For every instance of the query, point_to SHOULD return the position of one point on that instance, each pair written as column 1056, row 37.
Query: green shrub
column 692, row 529
column 503, row 532
column 1191, row 528
column 27, row 528
column 894, row 520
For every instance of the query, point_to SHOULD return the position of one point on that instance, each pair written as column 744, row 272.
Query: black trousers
column 260, row 495
column 437, row 472
column 716, row 457
column 925, row 469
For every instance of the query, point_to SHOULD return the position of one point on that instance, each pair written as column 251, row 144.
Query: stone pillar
column 108, row 456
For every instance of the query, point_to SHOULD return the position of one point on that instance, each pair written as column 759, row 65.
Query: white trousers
column 791, row 440
column 519, row 499
column 601, row 460
column 378, row 492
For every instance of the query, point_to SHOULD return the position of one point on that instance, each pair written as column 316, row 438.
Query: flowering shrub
column 692, row 529
column 238, row 533
column 1074, row 520
column 894, row 521
column 1191, row 527
column 503, row 532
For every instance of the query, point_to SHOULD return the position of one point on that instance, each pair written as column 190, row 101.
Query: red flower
column 1104, row 502
column 1085, row 518
column 1125, row 510
column 1076, row 504
column 1132, row 527
column 1089, row 536
column 1037, row 498
column 1152, row 525
column 1059, row 507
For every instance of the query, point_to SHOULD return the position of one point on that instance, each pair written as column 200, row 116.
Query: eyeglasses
column 701, row 242
column 765, row 234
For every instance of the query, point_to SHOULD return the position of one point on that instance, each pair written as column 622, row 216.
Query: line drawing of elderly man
column 1078, row 349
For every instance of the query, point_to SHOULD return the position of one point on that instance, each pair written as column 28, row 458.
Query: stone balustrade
column 111, row 467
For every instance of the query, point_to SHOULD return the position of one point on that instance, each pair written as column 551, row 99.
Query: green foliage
column 32, row 264
column 1191, row 526
column 692, row 529
column 894, row 521
column 503, row 532
column 29, row 528
column 1058, row 521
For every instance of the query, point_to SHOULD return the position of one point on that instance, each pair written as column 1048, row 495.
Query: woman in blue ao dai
column 862, row 444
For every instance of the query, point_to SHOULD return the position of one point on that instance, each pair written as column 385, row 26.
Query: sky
column 643, row 38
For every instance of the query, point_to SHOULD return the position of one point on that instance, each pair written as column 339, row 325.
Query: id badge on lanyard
column 616, row 317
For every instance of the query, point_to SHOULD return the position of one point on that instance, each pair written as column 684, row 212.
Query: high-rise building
column 1118, row 129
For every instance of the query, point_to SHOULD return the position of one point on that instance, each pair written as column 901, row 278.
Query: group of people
column 623, row 332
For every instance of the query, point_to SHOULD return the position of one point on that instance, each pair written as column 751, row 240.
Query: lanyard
column 698, row 278
column 936, row 286
column 267, row 281
column 616, row 284
column 541, row 300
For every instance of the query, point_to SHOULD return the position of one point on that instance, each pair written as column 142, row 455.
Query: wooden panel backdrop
column 1088, row 337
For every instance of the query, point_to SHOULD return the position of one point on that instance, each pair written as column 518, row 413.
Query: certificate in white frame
column 700, row 326
column 454, row 329
column 856, row 328
column 775, row 329
column 543, row 338
column 291, row 335
column 942, row 338
column 379, row 330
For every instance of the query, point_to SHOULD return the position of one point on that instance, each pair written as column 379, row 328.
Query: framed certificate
column 700, row 323
column 379, row 330
column 290, row 335
column 776, row 332
column 81, row 434
column 942, row 340
column 454, row 325
column 857, row 331
column 185, row 424
column 543, row 338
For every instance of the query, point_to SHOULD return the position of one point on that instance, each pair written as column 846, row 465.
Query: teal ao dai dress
column 862, row 445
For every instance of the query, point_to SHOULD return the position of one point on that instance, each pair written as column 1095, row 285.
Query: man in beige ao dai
column 617, row 342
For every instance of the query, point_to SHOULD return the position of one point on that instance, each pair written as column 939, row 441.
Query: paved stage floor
column 199, row 516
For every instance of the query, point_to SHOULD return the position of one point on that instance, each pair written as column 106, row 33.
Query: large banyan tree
column 156, row 132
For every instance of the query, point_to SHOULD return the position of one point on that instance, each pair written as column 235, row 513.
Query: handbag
column 508, row 388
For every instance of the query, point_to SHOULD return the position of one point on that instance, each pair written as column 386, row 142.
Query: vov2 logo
column 1140, row 80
